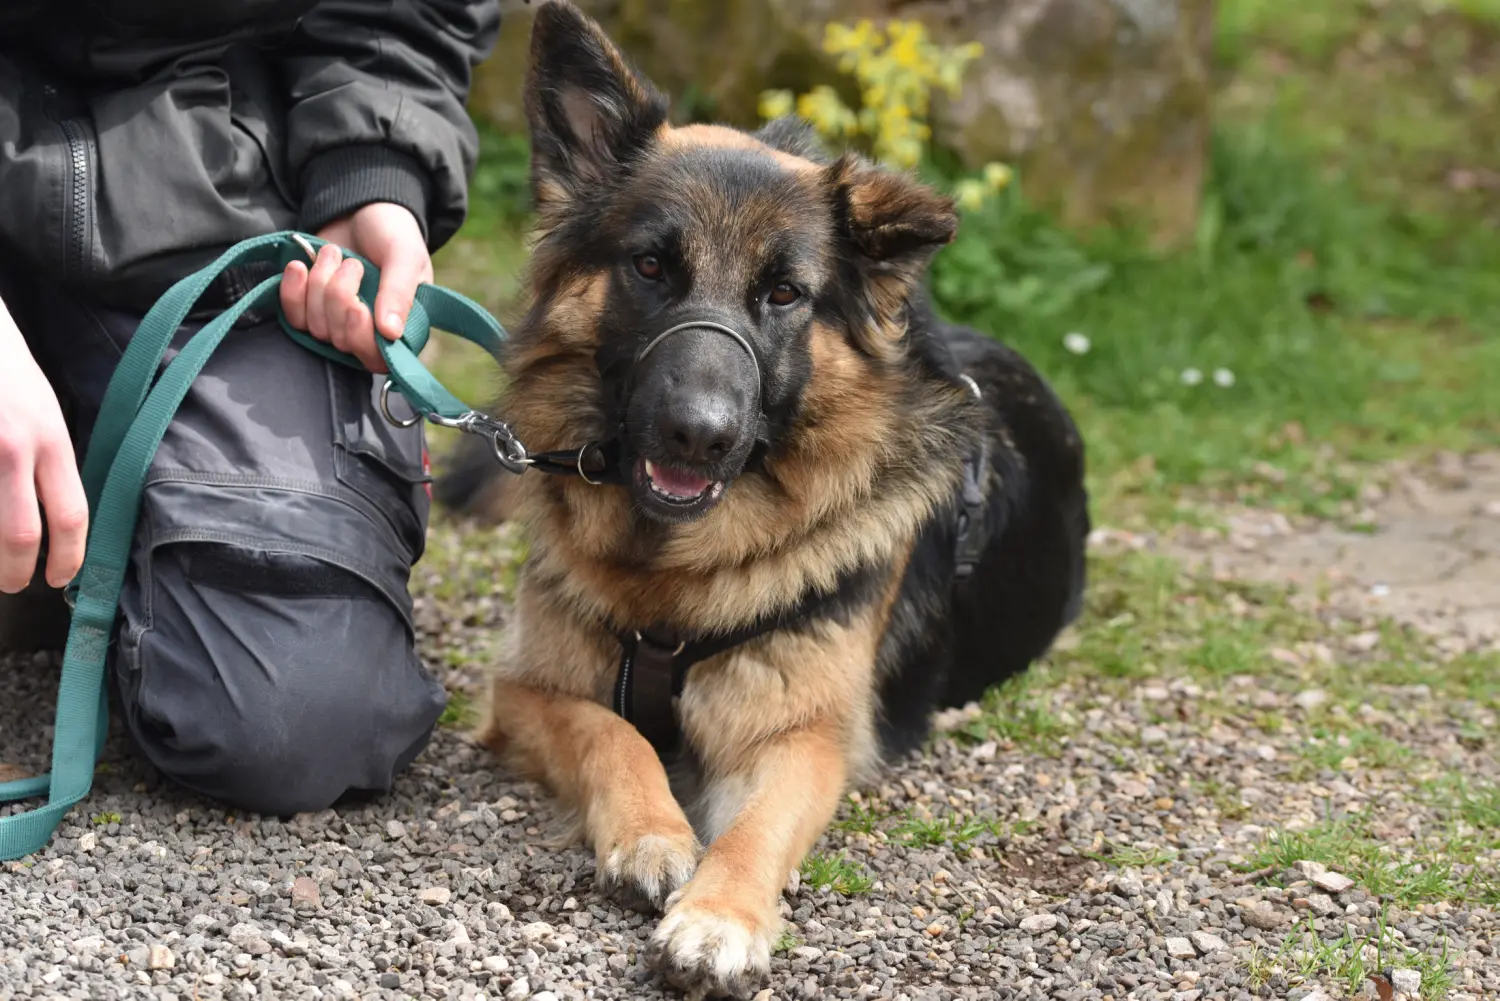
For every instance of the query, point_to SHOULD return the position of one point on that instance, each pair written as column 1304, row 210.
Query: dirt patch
column 1430, row 557
column 1047, row 870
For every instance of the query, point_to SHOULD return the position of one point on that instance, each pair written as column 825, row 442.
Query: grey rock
column 435, row 895
column 1180, row 948
column 1407, row 982
column 1035, row 924
column 1207, row 942
column 1264, row 917
column 1333, row 882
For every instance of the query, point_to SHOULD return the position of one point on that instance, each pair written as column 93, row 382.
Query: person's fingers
column 361, row 330
column 20, row 521
column 60, row 491
column 407, row 268
column 294, row 294
column 322, row 273
column 342, row 296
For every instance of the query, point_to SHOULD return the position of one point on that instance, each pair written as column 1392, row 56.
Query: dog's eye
column 784, row 295
column 648, row 266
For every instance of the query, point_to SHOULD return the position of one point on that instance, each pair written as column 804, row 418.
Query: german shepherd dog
column 809, row 512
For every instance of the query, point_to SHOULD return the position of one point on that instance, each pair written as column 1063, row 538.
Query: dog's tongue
column 678, row 483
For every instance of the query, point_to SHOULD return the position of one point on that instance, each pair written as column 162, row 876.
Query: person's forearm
column 376, row 108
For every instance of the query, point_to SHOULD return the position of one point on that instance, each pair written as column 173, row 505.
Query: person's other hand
column 36, row 465
column 324, row 300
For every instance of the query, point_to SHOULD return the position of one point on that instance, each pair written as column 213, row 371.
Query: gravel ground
column 1094, row 844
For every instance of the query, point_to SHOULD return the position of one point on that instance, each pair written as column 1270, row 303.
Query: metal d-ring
column 579, row 465
column 680, row 646
column 307, row 248
column 385, row 407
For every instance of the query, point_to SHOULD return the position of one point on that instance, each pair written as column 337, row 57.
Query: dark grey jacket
column 140, row 138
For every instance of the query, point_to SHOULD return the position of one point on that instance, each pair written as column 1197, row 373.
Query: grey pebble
column 1407, row 982
column 1207, row 943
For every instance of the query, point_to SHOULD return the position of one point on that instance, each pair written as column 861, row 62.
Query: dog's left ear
column 894, row 224
column 589, row 112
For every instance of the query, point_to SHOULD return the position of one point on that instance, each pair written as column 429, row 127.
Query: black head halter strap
column 604, row 462
column 738, row 337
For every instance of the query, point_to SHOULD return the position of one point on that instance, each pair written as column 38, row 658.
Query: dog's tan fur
column 779, row 725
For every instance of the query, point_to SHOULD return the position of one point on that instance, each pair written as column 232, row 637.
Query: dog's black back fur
column 948, row 640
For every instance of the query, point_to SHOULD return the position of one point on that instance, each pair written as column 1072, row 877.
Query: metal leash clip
column 509, row 451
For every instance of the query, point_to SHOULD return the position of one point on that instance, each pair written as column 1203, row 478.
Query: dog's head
column 715, row 252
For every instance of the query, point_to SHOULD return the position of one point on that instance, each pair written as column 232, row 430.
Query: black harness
column 655, row 661
column 654, row 664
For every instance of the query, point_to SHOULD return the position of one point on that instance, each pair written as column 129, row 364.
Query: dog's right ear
column 590, row 113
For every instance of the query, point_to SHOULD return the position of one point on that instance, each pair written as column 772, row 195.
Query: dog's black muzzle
column 695, row 398
column 689, row 408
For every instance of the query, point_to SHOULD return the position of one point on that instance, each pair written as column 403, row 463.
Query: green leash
column 132, row 420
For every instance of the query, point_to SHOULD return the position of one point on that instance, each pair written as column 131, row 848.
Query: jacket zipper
column 75, row 211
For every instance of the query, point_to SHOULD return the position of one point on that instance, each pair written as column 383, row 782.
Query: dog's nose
column 698, row 427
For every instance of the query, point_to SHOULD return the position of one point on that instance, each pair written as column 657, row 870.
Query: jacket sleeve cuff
column 338, row 181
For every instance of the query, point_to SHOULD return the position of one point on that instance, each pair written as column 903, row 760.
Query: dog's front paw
column 712, row 948
column 649, row 868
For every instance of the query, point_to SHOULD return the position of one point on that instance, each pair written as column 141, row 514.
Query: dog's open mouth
column 676, row 493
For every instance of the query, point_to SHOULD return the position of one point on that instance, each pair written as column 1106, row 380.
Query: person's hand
column 36, row 464
column 324, row 300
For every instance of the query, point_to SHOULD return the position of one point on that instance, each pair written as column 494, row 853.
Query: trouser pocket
column 267, row 655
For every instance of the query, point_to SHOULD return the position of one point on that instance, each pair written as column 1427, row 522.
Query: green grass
column 960, row 832
column 1017, row 712
column 912, row 829
column 1305, row 955
column 859, row 819
column 1145, row 617
column 1132, row 856
column 1440, row 868
column 1224, row 797
column 1312, row 69
column 1325, row 749
column 837, row 872
column 1341, row 322
column 460, row 712
column 1480, row 808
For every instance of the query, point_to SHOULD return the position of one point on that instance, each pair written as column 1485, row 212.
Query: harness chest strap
column 654, row 663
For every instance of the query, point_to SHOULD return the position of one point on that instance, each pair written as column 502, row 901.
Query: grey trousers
column 265, row 649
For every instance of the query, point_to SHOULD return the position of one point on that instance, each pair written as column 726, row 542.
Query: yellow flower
column 896, row 68
column 776, row 103
column 969, row 194
column 998, row 176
